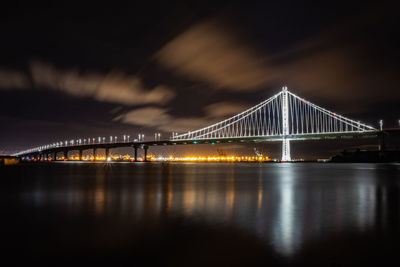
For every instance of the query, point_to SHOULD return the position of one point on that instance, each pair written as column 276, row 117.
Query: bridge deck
column 297, row 137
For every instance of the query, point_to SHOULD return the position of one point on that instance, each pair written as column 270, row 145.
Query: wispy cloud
column 224, row 108
column 161, row 119
column 148, row 116
column 210, row 53
column 113, row 87
column 11, row 79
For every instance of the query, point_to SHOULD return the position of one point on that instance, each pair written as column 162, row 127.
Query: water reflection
column 286, row 205
column 286, row 229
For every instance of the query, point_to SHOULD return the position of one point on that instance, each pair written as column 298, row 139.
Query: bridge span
column 52, row 152
column 284, row 117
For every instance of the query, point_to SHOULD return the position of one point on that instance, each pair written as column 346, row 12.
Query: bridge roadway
column 146, row 144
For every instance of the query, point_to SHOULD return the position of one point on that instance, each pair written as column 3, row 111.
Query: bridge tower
column 285, row 125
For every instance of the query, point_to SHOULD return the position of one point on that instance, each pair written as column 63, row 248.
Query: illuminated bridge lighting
column 283, row 117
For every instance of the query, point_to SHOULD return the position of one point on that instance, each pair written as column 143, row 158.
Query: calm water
column 197, row 214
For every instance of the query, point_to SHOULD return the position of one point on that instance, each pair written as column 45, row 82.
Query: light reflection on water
column 285, row 205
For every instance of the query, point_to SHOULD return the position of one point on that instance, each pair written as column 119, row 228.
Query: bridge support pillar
column 135, row 155
column 285, row 126
column 80, row 154
column 54, row 156
column 381, row 141
column 286, row 150
column 145, row 152
column 65, row 154
column 107, row 153
column 94, row 153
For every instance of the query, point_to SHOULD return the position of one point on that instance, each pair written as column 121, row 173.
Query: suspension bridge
column 283, row 117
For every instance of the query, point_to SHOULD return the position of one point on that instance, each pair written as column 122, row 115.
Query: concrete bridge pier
column 107, row 153
column 66, row 154
column 145, row 152
column 135, row 155
column 80, row 154
column 381, row 141
column 94, row 153
column 55, row 156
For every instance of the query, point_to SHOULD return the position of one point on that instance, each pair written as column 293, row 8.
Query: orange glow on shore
column 215, row 159
column 171, row 158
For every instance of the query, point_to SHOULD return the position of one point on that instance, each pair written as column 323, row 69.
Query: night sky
column 72, row 71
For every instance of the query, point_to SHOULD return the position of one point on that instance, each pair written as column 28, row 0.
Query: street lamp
column 381, row 124
column 130, row 136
